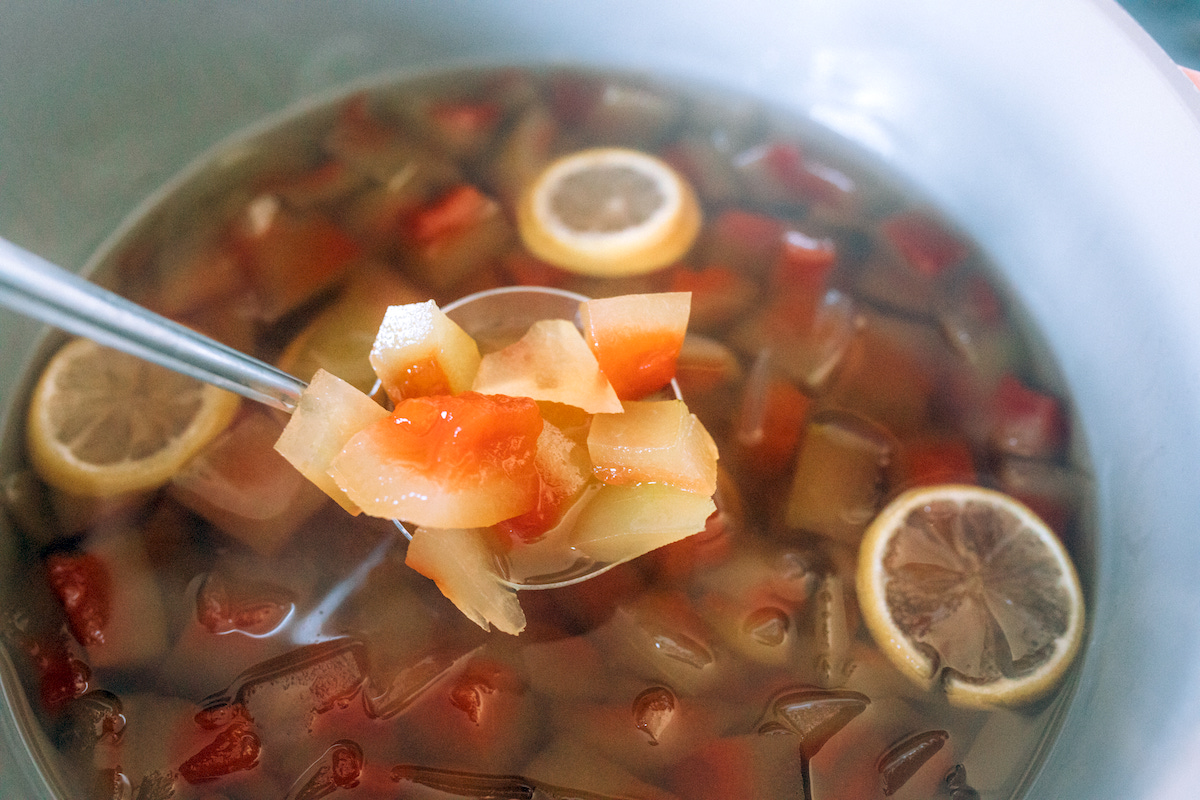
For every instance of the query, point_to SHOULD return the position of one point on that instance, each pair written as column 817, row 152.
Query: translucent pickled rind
column 414, row 335
column 623, row 522
column 466, row 571
column 654, row 441
column 329, row 413
column 552, row 363
column 949, row 527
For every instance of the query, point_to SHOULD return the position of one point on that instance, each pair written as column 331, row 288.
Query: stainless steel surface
column 34, row 287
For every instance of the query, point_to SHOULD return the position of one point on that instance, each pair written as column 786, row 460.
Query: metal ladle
column 33, row 287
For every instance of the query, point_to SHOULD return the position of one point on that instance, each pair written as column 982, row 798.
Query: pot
column 1054, row 132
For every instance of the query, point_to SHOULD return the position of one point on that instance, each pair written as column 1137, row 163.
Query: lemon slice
column 968, row 584
column 609, row 212
column 103, row 423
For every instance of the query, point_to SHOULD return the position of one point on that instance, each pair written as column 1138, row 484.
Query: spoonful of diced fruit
column 521, row 437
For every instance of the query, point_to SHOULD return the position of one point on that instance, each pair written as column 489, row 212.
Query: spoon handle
column 35, row 288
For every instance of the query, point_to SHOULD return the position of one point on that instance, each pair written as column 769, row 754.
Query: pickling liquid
column 846, row 343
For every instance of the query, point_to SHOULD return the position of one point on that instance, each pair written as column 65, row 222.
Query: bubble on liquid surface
column 680, row 647
column 907, row 756
column 797, row 578
column 653, row 711
column 815, row 715
column 768, row 626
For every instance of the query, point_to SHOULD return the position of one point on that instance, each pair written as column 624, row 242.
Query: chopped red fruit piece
column 64, row 678
column 1027, row 422
column 457, row 234
column 346, row 765
column 637, row 339
column 216, row 717
column 84, row 587
column 804, row 263
column 255, row 610
column 235, row 749
column 933, row 459
column 528, row 270
column 787, row 165
column 770, row 424
column 719, row 294
column 290, row 257
column 467, row 695
column 533, row 524
column 744, row 238
column 924, row 243
column 61, row 676
column 463, row 122
column 453, row 212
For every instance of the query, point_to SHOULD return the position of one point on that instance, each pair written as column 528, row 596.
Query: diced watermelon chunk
column 637, row 338
column 837, row 482
column 1028, row 422
column 455, row 234
column 770, row 423
column 932, row 459
column 563, row 471
column 339, row 339
column 804, row 265
column 330, row 411
column 623, row 522
column 654, row 441
column 461, row 562
column 84, row 587
column 552, row 363
column 719, row 294
column 290, row 257
column 924, row 243
column 465, row 461
column 751, row 241
column 419, row 351
column 241, row 485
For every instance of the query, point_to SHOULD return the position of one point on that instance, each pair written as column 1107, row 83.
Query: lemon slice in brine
column 102, row 422
column 609, row 212
column 969, row 585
